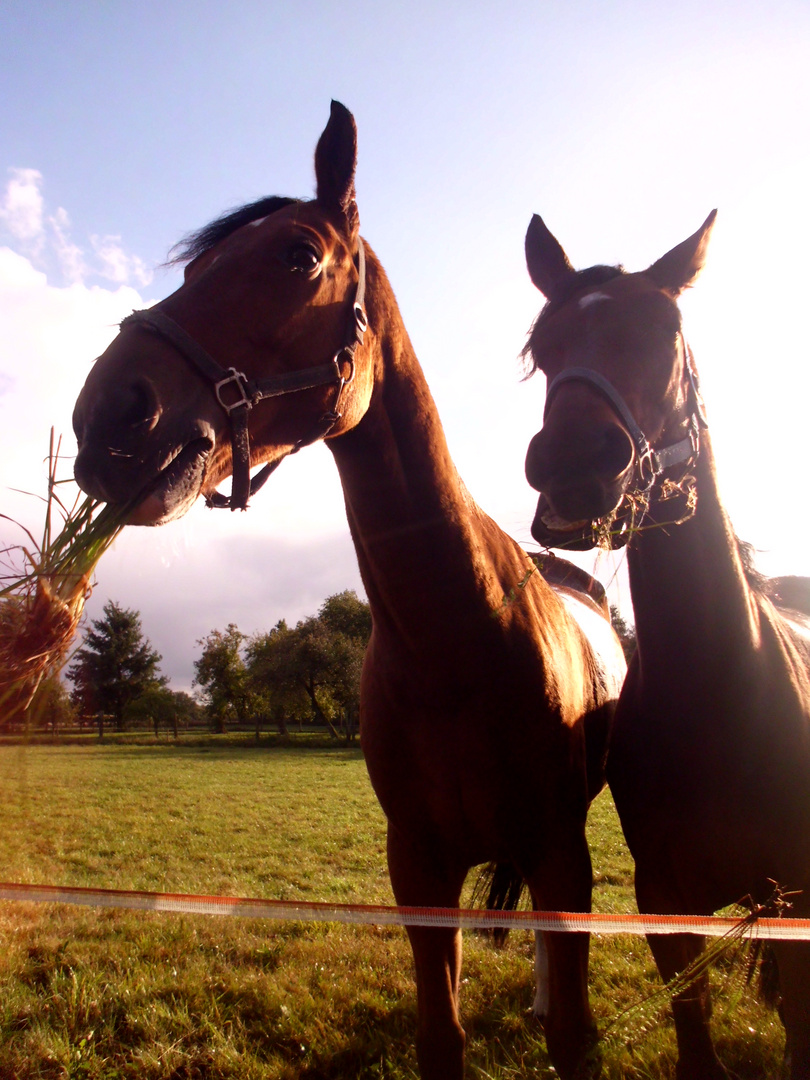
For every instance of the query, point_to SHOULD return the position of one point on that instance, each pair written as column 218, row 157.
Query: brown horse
column 710, row 756
column 474, row 710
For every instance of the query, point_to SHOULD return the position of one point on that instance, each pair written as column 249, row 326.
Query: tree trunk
column 319, row 713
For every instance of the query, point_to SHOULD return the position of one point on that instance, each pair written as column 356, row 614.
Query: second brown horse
column 710, row 756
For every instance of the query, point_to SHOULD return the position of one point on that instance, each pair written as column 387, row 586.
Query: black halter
column 649, row 463
column 237, row 394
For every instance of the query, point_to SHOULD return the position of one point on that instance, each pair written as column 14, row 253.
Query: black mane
column 209, row 236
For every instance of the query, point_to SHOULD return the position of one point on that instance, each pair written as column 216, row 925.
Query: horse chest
column 703, row 791
column 456, row 783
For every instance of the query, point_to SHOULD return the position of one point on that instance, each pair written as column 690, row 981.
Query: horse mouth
column 175, row 488
column 551, row 529
column 557, row 524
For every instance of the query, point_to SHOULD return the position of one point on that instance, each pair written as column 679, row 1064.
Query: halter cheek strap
column 237, row 394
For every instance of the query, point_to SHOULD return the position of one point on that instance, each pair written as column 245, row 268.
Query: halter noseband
column 237, row 394
column 650, row 463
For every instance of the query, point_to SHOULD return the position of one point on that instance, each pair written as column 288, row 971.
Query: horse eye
column 303, row 258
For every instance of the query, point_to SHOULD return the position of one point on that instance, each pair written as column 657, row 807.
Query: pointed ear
column 548, row 264
column 679, row 268
column 335, row 162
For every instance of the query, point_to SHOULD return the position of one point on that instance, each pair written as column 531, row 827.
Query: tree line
column 289, row 676
column 285, row 678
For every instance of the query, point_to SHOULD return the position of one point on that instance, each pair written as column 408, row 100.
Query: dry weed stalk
column 43, row 590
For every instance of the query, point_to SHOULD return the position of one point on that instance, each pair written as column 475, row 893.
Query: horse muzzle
column 132, row 457
column 580, row 488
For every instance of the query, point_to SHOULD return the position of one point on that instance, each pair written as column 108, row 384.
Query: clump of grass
column 43, row 590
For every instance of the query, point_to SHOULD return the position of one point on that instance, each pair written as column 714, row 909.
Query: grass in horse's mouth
column 43, row 590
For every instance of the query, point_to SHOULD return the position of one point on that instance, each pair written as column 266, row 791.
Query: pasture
column 88, row 993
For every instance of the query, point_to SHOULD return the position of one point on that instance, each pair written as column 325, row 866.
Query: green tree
column 222, row 676
column 345, row 613
column 319, row 661
column 310, row 666
column 349, row 620
column 56, row 709
column 272, row 671
column 154, row 707
column 115, row 664
column 187, row 710
column 625, row 631
column 273, row 680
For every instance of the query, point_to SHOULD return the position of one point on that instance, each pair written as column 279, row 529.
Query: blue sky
column 127, row 125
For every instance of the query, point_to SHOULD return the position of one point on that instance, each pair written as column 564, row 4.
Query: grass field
column 87, row 993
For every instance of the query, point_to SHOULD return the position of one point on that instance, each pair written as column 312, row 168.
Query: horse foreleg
column 418, row 881
column 440, row 1037
column 540, row 1006
column 563, row 883
column 691, row 1008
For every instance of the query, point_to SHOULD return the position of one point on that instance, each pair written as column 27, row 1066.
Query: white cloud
column 46, row 238
column 50, row 335
column 22, row 206
column 116, row 264
column 69, row 255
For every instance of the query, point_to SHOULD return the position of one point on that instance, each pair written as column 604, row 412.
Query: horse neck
column 690, row 595
column 426, row 552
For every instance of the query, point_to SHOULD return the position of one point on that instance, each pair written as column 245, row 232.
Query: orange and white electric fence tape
column 379, row 915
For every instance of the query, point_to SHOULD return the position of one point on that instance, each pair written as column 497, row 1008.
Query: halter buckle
column 360, row 319
column 347, row 353
column 238, row 379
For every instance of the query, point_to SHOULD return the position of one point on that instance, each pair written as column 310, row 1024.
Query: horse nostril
column 120, row 420
column 138, row 405
column 615, row 452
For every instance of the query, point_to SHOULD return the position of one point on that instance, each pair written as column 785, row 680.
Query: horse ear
column 335, row 163
column 548, row 264
column 679, row 268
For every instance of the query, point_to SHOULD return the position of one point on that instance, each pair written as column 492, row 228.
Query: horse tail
column 498, row 887
column 762, row 967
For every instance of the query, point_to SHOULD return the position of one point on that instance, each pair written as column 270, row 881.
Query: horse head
column 622, row 403
column 255, row 355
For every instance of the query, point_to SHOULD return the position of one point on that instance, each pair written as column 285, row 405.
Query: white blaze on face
column 593, row 298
